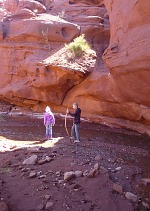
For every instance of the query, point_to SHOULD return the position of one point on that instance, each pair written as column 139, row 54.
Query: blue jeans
column 75, row 131
column 48, row 131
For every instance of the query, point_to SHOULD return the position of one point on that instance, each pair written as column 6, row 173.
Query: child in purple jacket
column 49, row 121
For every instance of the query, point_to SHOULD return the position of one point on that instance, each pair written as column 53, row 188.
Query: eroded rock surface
column 124, row 91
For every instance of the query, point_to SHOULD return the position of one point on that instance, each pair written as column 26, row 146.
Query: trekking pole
column 66, row 124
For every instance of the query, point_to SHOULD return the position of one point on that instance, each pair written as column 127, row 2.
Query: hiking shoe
column 76, row 141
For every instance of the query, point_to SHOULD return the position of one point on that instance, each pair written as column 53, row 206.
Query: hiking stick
column 66, row 124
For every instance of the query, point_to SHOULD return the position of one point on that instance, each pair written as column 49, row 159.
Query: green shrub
column 78, row 46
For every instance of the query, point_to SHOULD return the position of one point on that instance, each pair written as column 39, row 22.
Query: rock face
column 34, row 65
column 128, row 57
column 36, row 70
column 124, row 91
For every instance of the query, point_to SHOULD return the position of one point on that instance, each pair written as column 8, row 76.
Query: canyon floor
column 121, row 155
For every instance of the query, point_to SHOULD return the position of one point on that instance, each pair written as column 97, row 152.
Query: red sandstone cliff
column 124, row 92
column 35, row 71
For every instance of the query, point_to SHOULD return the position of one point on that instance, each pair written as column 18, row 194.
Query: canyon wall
column 124, row 91
column 35, row 69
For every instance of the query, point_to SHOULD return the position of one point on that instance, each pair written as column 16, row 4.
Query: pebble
column 58, row 173
column 38, row 173
column 42, row 176
column 49, row 205
column 40, row 162
column 60, row 181
column 78, row 173
column 118, row 168
column 92, row 173
column 41, row 207
column 132, row 197
column 69, row 175
column 47, row 197
column 98, row 157
column 15, row 165
column 23, row 170
column 1, row 181
column 118, row 188
column 48, row 159
column 97, row 166
column 32, row 174
column 145, row 205
column 120, row 160
column 112, row 160
column 85, row 173
column 103, row 170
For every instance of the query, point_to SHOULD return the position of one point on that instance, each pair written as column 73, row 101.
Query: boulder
column 69, row 175
column 13, row 6
column 132, row 197
column 31, row 160
column 42, row 28
column 23, row 14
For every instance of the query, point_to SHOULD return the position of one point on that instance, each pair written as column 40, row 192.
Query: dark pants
column 75, row 132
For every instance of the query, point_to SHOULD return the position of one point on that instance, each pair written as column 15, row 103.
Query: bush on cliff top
column 78, row 46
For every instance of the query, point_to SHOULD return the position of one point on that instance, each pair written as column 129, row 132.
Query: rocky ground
column 108, row 171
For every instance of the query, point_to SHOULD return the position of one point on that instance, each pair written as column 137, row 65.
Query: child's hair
column 75, row 104
column 47, row 109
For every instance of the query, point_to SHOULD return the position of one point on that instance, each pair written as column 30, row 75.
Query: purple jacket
column 49, row 118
